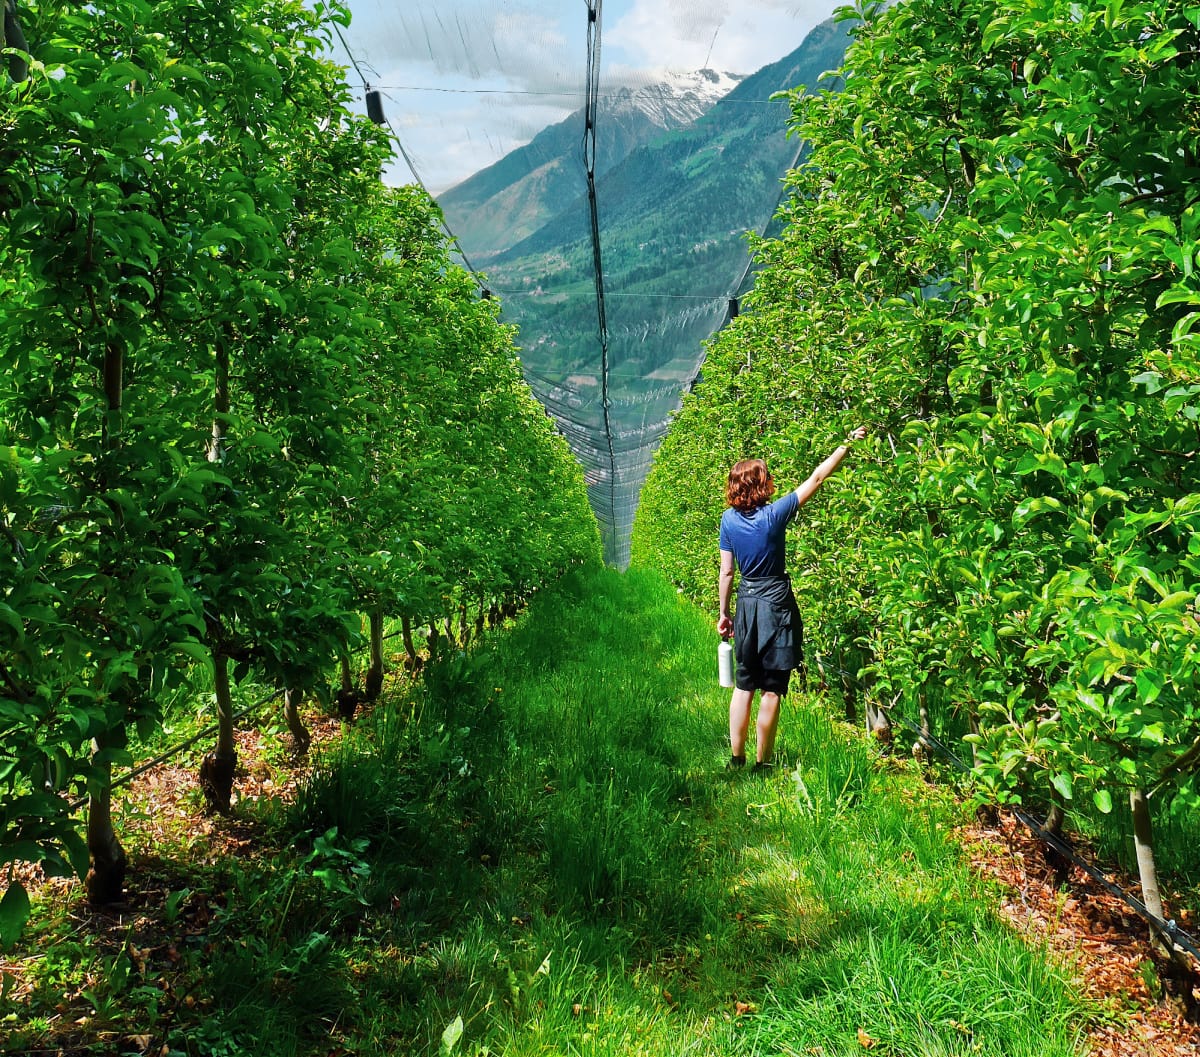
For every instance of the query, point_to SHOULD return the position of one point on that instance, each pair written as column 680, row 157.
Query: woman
column 767, row 633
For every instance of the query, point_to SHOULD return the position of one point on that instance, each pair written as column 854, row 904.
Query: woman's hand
column 856, row 434
column 724, row 627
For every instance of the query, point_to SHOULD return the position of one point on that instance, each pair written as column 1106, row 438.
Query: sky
column 466, row 81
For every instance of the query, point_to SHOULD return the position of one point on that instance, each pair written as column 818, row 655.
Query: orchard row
column 249, row 404
column 991, row 259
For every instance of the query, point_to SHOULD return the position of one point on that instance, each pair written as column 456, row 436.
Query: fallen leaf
column 865, row 1040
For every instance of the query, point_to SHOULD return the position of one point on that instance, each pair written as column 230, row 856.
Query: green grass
column 543, row 854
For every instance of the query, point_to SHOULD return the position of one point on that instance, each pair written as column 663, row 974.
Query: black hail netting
column 599, row 169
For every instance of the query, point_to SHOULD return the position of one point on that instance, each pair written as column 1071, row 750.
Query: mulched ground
column 1092, row 929
column 1095, row 931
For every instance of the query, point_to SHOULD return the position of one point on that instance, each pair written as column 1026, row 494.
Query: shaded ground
column 1084, row 923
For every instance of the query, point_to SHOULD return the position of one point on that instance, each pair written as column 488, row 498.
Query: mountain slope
column 673, row 215
column 702, row 164
column 515, row 196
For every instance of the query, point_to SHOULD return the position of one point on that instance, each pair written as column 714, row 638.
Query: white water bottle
column 725, row 663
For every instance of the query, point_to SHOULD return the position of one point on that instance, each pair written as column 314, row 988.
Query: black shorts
column 769, row 680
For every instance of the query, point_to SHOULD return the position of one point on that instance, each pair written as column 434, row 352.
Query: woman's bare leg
column 767, row 724
column 739, row 720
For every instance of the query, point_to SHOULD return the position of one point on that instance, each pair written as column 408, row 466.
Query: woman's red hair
column 750, row 485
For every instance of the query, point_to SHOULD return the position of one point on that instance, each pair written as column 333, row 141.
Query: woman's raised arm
column 817, row 478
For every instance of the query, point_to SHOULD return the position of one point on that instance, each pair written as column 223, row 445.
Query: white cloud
column 463, row 42
column 739, row 37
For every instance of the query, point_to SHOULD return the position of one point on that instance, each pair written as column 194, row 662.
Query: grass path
column 542, row 854
column 627, row 895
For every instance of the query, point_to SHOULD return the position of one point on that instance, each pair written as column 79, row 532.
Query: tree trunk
column 114, row 392
column 105, row 881
column 920, row 749
column 1056, row 818
column 878, row 724
column 849, row 694
column 448, row 626
column 973, row 727
column 347, row 696
column 410, row 649
column 374, row 681
column 464, row 626
column 301, row 739
column 216, row 444
column 1176, row 972
column 218, row 767
column 12, row 36
column 479, row 619
column 1143, row 844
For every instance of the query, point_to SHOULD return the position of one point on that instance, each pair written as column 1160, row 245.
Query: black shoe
column 735, row 762
column 762, row 768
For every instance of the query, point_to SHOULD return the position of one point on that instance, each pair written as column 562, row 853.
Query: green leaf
column 77, row 852
column 14, row 912
column 1177, row 295
column 196, row 650
column 1031, row 508
column 21, row 851
column 1150, row 381
column 1149, row 686
column 1185, row 325
column 1062, row 782
column 1102, row 798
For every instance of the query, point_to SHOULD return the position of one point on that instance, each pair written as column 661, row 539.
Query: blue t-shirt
column 757, row 539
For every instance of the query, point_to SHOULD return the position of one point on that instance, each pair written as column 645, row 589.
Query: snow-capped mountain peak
column 676, row 99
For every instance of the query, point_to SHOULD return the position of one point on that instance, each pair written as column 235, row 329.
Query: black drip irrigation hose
column 174, row 751
column 149, row 765
column 1168, row 931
